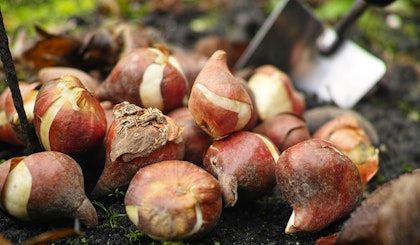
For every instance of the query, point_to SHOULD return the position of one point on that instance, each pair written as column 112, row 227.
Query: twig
column 32, row 144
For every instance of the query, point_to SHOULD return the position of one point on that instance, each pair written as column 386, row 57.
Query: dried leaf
column 389, row 216
column 4, row 241
column 51, row 50
column 50, row 236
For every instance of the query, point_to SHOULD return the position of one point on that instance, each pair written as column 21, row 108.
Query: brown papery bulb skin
column 67, row 117
column 196, row 140
column 320, row 183
column 147, row 77
column 284, row 130
column 45, row 186
column 274, row 92
column 218, row 102
column 349, row 137
column 137, row 137
column 174, row 200
column 244, row 165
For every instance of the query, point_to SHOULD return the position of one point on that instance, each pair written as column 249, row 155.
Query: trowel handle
column 359, row 6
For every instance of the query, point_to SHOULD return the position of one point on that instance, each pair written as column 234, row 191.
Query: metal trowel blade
column 288, row 40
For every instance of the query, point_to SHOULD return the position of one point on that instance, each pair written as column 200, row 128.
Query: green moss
column 406, row 168
column 331, row 11
column 380, row 179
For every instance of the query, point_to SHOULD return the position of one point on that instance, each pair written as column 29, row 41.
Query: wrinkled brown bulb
column 137, row 137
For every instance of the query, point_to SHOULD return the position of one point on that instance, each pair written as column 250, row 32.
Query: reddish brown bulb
column 173, row 200
column 244, row 165
column 218, row 102
column 349, row 137
column 10, row 127
column 284, row 130
column 67, row 117
column 196, row 140
column 45, row 186
column 320, row 183
column 147, row 77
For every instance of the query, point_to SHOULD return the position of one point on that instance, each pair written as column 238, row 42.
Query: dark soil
column 392, row 107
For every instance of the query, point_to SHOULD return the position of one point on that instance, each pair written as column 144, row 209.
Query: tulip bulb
column 68, row 117
column 147, row 77
column 350, row 138
column 196, row 140
column 284, row 130
column 173, row 200
column 218, row 102
column 10, row 127
column 243, row 164
column 320, row 183
column 274, row 93
column 44, row 186
column 137, row 137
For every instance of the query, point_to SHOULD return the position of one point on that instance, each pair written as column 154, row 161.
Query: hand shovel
column 319, row 59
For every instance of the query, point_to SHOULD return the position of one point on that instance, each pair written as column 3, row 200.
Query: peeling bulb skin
column 319, row 182
column 274, row 93
column 350, row 138
column 137, row 137
column 173, row 200
column 318, row 116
